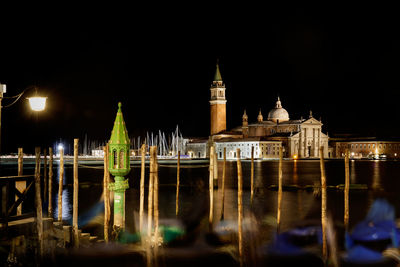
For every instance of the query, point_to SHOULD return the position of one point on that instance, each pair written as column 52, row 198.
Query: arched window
column 115, row 158
column 121, row 159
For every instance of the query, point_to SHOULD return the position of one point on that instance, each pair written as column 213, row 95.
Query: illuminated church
column 299, row 138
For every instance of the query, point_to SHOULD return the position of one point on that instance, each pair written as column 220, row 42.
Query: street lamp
column 37, row 103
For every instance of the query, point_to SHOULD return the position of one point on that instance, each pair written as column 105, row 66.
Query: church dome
column 278, row 114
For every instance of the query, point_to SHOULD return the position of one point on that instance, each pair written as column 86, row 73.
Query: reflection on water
column 66, row 206
column 376, row 183
column 66, row 199
column 353, row 177
column 295, row 175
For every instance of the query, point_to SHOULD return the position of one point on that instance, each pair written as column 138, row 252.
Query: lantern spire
column 119, row 134
column 217, row 76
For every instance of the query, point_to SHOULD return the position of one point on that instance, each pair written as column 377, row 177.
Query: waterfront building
column 300, row 138
column 263, row 149
column 365, row 147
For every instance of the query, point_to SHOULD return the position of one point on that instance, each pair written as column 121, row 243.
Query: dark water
column 381, row 177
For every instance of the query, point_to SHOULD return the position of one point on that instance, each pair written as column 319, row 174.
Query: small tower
column 217, row 104
column 119, row 166
column 260, row 117
column 245, row 125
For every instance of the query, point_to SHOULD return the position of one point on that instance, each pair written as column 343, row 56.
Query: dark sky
column 341, row 62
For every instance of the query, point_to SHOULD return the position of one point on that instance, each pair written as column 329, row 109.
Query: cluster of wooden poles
column 47, row 191
column 326, row 226
column 153, row 214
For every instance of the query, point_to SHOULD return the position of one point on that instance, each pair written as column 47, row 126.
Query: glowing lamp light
column 37, row 103
column 294, row 156
column 60, row 147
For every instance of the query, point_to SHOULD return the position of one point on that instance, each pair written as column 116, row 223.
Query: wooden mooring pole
column 60, row 183
column 45, row 175
column 177, row 183
column 150, row 211
column 150, row 195
column 20, row 185
column 252, row 176
column 50, row 204
column 142, row 177
column 75, row 197
column 240, row 206
column 223, row 185
column 323, row 205
column 156, row 213
column 211, row 189
column 155, row 181
column 38, row 202
column 346, row 190
column 278, row 216
column 20, row 161
column 106, row 193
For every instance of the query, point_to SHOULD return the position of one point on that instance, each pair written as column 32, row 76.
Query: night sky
column 341, row 62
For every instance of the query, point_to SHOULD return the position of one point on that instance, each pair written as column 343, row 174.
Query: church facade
column 300, row 138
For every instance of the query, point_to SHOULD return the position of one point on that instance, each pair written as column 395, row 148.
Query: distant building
column 98, row 152
column 299, row 138
column 365, row 147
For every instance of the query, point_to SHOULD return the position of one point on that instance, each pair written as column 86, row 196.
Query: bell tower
column 217, row 104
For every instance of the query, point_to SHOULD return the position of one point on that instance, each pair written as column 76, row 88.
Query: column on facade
column 319, row 141
column 312, row 152
column 301, row 143
column 315, row 142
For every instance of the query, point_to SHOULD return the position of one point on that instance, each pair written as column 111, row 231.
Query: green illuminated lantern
column 119, row 166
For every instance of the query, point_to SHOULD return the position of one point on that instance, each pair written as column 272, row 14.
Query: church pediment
column 312, row 121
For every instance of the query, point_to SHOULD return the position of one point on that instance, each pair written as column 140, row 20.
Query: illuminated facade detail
column 217, row 104
column 262, row 149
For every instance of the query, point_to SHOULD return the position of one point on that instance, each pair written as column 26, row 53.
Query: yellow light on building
column 294, row 156
column 37, row 103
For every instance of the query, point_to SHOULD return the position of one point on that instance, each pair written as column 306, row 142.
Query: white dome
column 278, row 114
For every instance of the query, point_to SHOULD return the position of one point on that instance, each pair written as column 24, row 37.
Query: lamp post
column 119, row 166
column 37, row 103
